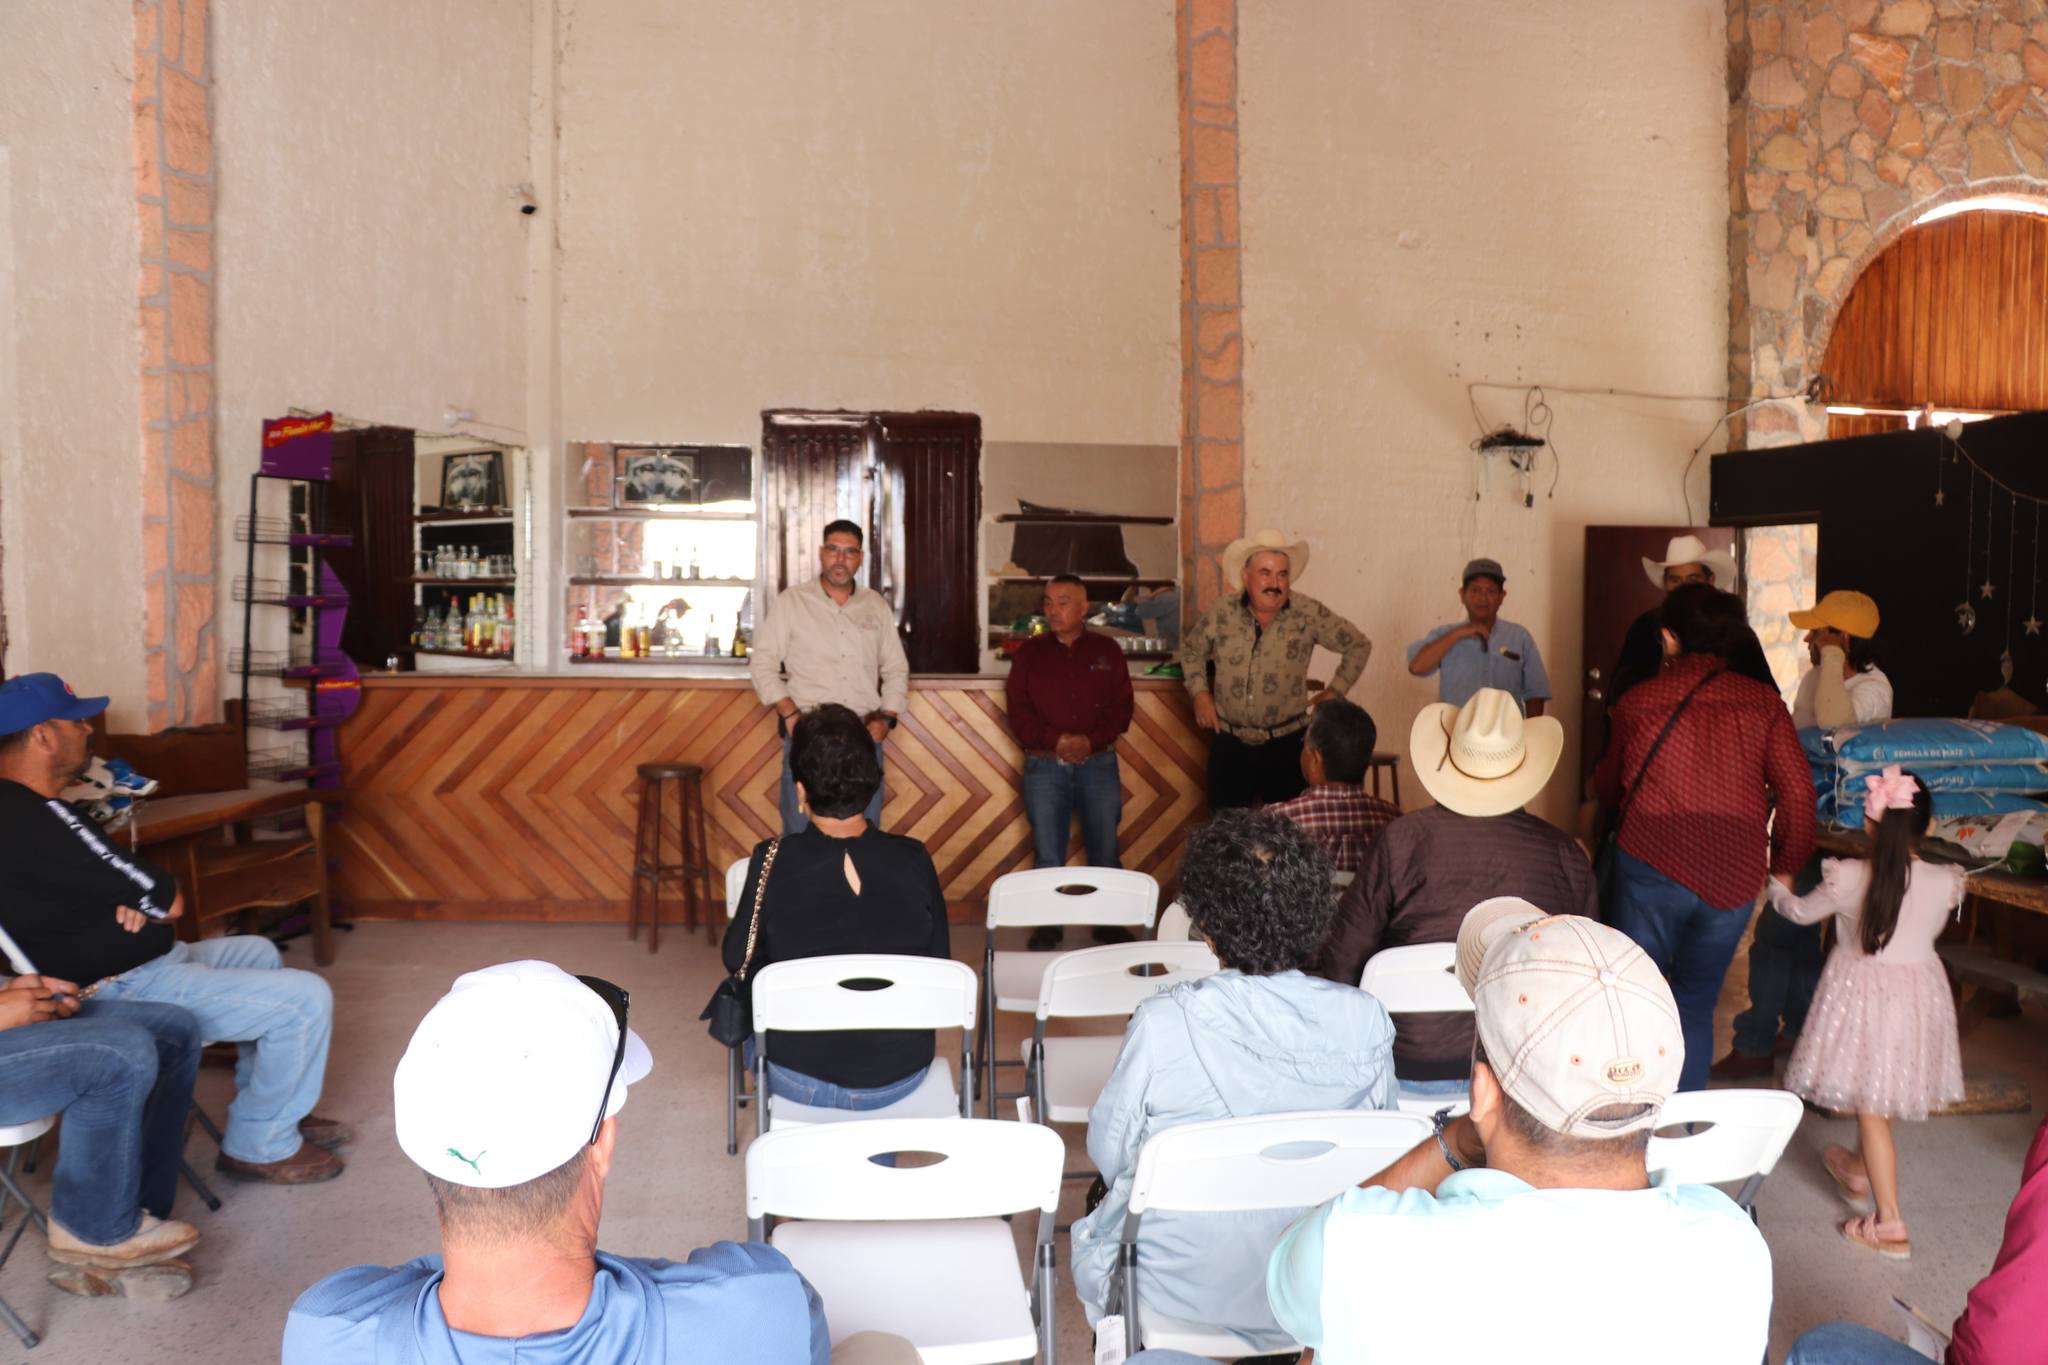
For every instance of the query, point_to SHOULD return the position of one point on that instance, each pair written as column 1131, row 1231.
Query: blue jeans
column 798, row 1088
column 283, row 1019
column 1784, row 968
column 1052, row 791
column 795, row 821
column 1846, row 1343
column 122, row 1077
column 1691, row 942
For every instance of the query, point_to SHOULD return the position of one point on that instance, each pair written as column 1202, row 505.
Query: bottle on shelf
column 429, row 636
column 739, row 641
column 505, row 627
column 711, row 636
column 628, row 632
column 694, row 570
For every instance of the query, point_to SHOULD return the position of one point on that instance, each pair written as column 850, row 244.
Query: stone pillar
column 1848, row 119
column 174, row 212
column 1211, row 337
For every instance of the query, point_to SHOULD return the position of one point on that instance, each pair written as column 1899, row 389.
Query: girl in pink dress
column 1881, row 1038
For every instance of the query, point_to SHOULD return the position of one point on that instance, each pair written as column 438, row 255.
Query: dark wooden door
column 1617, row 591
column 912, row 481
column 370, row 495
column 927, row 535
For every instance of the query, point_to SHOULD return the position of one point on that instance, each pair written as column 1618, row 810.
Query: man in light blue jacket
column 1259, row 1037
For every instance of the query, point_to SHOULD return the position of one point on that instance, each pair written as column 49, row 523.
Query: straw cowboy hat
column 1266, row 538
column 1692, row 550
column 1483, row 758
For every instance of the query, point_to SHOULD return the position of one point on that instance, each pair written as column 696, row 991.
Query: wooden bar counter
column 512, row 797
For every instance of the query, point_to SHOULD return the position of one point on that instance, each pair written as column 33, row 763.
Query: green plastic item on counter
column 2025, row 860
column 1173, row 670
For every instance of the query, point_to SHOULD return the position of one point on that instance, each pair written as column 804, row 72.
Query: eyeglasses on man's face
column 831, row 551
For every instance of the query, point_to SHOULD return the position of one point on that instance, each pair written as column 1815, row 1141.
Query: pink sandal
column 1836, row 1161
column 1888, row 1240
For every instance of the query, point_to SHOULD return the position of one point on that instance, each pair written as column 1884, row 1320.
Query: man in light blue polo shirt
column 1482, row 650
column 1579, row 1045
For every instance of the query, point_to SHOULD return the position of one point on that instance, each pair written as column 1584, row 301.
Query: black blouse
column 810, row 911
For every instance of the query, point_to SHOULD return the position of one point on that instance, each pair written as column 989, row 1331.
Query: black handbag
column 1606, row 863
column 730, row 1011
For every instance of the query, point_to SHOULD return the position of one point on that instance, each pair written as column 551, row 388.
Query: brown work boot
column 328, row 1133
column 159, row 1283
column 1740, row 1066
column 153, row 1240
column 307, row 1166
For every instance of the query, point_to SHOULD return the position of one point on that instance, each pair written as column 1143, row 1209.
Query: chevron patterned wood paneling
column 515, row 798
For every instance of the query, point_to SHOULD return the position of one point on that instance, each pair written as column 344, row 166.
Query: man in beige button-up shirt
column 830, row 640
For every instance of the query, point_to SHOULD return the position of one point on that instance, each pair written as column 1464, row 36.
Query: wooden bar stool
column 1391, row 764
column 692, row 867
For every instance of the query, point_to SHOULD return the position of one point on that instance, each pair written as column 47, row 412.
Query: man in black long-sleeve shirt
column 85, row 910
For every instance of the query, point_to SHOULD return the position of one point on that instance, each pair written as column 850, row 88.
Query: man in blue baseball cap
column 85, row 910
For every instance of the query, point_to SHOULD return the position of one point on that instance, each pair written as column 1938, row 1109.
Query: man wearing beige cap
column 1482, row 762
column 1247, row 662
column 508, row 1098
column 1447, row 1253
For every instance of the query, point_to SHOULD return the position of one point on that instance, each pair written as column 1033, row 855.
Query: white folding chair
column 1063, row 1076
column 1174, row 925
column 1421, row 978
column 923, row 1250
column 1268, row 1161
column 1746, row 1134
column 14, row 1137
column 735, row 885
column 859, row 991
column 1041, row 896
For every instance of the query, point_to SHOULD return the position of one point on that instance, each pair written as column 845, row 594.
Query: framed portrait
column 681, row 476
column 473, row 479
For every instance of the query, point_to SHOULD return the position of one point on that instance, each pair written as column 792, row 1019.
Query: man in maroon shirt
column 1694, row 818
column 1069, row 698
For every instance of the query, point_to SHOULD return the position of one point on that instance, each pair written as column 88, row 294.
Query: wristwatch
column 887, row 718
column 1440, row 1121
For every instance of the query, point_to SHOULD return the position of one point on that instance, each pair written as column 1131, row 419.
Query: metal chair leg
column 199, row 1187
column 29, row 1340
column 204, row 1120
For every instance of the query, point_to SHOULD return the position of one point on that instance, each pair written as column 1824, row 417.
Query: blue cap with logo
column 33, row 698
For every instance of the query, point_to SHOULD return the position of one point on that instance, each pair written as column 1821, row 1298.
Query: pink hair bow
column 1889, row 790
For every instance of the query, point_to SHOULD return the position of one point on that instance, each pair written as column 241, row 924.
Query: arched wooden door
column 1954, row 313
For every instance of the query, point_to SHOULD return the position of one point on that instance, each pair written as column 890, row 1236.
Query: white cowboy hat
column 1483, row 758
column 1692, row 550
column 1266, row 538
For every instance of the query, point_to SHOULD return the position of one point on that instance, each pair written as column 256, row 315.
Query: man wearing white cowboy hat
column 1687, row 559
column 1482, row 762
column 1247, row 663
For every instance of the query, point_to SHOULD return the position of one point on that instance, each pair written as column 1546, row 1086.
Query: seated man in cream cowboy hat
column 1247, row 662
column 1482, row 762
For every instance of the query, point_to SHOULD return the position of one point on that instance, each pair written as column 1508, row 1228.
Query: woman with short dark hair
column 841, row 886
column 1699, row 754
column 1258, row 1037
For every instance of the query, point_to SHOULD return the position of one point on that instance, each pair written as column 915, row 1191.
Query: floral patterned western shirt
column 1260, row 677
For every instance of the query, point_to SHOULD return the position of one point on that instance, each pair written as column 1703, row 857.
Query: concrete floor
column 673, row 1187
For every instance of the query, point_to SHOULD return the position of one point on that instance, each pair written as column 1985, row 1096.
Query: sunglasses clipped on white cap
column 513, row 1072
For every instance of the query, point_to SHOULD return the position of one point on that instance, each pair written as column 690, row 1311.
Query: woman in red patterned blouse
column 1695, row 833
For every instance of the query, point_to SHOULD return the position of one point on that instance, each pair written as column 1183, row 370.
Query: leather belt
column 1260, row 734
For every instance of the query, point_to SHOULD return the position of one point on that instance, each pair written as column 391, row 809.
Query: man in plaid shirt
column 1336, row 811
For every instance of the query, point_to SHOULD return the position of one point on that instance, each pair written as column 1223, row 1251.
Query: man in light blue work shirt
column 1482, row 650
column 1579, row 1045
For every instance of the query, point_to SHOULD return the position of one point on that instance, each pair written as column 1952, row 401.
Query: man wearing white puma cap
column 1537, row 1208
column 1483, row 762
column 508, row 1097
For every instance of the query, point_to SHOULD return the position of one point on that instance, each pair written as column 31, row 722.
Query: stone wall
column 1848, row 119
column 180, row 495
column 1778, row 564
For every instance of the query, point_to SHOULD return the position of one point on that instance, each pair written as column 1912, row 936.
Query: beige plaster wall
column 895, row 204
column 70, row 442
column 1438, row 194
column 374, row 261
